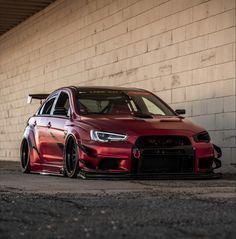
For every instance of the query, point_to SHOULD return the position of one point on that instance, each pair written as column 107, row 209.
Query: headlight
column 102, row 136
column 202, row 137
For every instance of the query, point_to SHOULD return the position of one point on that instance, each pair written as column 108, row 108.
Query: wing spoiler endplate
column 37, row 97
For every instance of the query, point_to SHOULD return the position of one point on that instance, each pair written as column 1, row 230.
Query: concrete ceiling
column 13, row 12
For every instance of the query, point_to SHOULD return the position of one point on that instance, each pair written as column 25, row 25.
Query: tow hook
column 217, row 155
column 136, row 153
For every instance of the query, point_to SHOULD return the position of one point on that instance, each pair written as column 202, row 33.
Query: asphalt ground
column 39, row 206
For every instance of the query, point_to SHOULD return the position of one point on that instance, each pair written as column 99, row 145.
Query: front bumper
column 132, row 160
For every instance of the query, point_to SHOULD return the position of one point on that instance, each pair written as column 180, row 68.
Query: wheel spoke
column 25, row 157
column 71, row 159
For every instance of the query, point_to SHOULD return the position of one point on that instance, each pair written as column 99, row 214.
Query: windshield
column 117, row 102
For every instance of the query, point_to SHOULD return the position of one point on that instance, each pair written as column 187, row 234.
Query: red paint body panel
column 46, row 136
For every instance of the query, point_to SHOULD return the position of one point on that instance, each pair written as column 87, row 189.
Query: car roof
column 91, row 88
column 108, row 88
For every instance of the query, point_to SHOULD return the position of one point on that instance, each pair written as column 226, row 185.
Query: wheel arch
column 75, row 135
column 29, row 136
column 69, row 136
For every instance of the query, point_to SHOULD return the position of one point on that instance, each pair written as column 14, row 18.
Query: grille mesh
column 162, row 141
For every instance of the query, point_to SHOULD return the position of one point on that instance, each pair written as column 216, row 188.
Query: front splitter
column 148, row 176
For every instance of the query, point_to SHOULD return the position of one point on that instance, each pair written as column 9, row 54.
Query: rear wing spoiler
column 37, row 97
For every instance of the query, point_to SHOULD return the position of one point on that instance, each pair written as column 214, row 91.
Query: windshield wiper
column 92, row 113
column 142, row 115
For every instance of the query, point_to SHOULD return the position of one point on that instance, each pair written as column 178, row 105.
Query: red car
column 117, row 131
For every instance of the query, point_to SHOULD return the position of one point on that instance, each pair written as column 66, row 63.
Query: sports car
column 114, row 131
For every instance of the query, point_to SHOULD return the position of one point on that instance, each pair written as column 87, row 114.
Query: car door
column 60, row 117
column 42, row 125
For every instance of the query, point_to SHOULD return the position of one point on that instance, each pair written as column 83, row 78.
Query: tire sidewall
column 26, row 168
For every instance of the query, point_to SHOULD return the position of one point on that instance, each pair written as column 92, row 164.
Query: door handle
column 49, row 125
column 35, row 123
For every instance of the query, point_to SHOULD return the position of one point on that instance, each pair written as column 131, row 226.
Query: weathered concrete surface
column 36, row 206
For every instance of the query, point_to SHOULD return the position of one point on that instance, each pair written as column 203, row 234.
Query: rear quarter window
column 47, row 107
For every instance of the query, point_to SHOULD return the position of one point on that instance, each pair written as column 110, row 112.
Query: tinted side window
column 47, row 107
column 62, row 106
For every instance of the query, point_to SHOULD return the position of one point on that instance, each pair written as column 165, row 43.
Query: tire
column 25, row 158
column 71, row 158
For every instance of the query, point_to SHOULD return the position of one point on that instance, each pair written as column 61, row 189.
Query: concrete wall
column 184, row 50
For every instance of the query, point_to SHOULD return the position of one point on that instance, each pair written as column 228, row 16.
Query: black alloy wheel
column 71, row 159
column 25, row 158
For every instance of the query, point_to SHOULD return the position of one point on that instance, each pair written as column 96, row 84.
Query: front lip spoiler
column 147, row 176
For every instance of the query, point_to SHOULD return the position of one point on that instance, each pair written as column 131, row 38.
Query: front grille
column 162, row 141
column 164, row 154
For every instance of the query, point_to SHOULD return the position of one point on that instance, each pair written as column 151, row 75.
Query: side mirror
column 60, row 111
column 180, row 111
